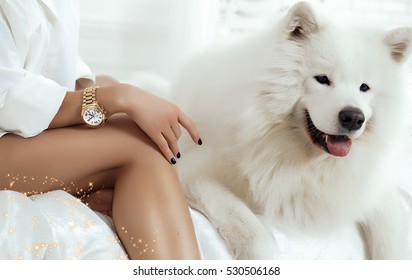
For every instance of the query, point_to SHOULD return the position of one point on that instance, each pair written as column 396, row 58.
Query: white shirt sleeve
column 28, row 101
column 30, row 105
column 83, row 71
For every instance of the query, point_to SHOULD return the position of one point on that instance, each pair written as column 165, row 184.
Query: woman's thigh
column 76, row 159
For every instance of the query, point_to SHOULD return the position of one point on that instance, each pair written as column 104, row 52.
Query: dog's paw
column 260, row 248
column 256, row 243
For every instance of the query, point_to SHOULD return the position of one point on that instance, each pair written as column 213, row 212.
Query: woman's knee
column 138, row 147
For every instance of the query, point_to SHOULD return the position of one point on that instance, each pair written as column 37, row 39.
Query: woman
column 53, row 125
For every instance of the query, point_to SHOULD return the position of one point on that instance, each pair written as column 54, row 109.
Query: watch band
column 89, row 95
column 89, row 108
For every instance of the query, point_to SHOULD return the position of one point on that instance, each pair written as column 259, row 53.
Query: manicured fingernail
column 173, row 161
column 199, row 141
column 178, row 155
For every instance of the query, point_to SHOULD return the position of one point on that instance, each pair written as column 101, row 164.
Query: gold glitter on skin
column 143, row 248
column 84, row 193
column 80, row 192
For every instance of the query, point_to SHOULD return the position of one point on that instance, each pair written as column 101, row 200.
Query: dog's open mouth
column 336, row 145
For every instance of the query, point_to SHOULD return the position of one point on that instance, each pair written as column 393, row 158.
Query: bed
column 56, row 225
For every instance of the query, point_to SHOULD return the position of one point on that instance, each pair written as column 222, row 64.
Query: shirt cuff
column 30, row 106
column 83, row 71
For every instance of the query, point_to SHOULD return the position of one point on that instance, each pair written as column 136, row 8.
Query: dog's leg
column 246, row 236
column 386, row 230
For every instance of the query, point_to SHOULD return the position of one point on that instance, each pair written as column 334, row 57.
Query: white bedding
column 56, row 225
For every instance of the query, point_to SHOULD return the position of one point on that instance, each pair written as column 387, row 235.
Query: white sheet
column 56, row 225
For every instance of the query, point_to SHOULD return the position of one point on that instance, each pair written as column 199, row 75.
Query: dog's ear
column 301, row 21
column 399, row 42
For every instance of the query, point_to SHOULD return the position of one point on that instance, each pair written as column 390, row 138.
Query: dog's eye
column 364, row 88
column 322, row 79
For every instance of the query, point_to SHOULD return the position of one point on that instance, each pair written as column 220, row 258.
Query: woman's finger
column 163, row 145
column 176, row 129
column 188, row 124
column 172, row 141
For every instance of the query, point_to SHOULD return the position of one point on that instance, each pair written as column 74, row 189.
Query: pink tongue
column 338, row 146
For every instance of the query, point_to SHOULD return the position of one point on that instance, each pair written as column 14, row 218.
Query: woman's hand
column 160, row 120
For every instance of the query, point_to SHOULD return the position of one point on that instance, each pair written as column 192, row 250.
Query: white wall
column 124, row 38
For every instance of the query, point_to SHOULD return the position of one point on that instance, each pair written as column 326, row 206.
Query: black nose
column 351, row 118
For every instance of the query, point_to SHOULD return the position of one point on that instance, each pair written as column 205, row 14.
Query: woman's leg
column 100, row 200
column 150, row 213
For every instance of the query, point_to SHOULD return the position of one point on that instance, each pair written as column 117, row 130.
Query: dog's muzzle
column 336, row 145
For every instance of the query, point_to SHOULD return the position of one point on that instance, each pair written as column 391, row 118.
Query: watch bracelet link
column 89, row 95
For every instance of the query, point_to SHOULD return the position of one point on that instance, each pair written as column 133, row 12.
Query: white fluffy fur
column 258, row 162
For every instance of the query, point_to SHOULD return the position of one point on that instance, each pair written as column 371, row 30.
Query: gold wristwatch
column 92, row 114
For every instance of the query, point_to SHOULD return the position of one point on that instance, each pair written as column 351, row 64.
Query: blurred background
column 140, row 39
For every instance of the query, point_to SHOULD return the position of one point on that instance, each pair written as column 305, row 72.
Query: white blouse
column 39, row 62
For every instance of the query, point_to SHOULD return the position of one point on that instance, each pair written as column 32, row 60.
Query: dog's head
column 351, row 78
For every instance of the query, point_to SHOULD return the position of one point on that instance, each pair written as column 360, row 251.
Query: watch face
column 93, row 116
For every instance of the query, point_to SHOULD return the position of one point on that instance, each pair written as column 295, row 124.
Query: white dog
column 300, row 126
